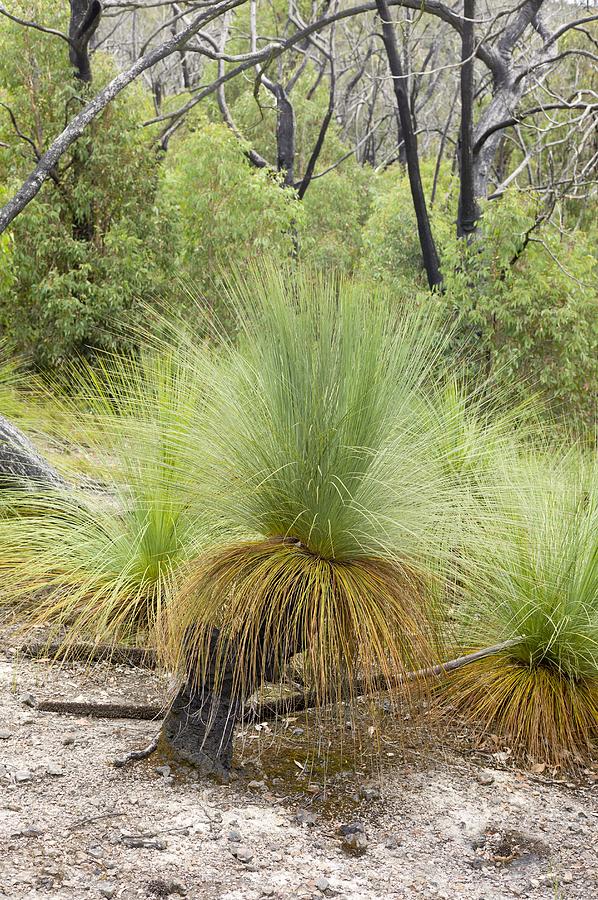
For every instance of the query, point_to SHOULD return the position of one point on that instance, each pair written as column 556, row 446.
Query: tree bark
column 468, row 212
column 85, row 18
column 200, row 723
column 426, row 238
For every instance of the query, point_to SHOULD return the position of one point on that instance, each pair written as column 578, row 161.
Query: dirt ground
column 440, row 824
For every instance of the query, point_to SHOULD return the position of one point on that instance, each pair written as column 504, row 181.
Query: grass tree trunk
column 199, row 727
column 426, row 238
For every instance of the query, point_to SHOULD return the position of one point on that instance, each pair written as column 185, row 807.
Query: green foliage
column 88, row 247
column 225, row 211
column 530, row 571
column 107, row 560
column 523, row 297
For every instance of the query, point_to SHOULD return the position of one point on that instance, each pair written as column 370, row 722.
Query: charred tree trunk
column 200, row 723
column 426, row 238
column 468, row 211
column 85, row 18
column 199, row 727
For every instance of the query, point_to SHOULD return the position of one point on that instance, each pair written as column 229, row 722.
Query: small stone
column 163, row 770
column 369, row 792
column 298, row 731
column 391, row 843
column 107, row 890
column 568, row 877
column 55, row 770
column 305, row 817
column 243, row 854
column 256, row 785
column 322, row 883
column 69, row 738
column 4, row 734
column 28, row 699
column 485, row 778
column 356, row 843
column 23, row 775
column 234, row 835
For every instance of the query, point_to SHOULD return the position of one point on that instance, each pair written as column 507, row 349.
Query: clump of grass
column 326, row 497
column 98, row 564
column 532, row 573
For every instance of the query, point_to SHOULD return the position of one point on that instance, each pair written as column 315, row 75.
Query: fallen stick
column 142, row 657
column 270, row 709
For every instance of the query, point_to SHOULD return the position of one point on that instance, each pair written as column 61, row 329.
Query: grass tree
column 99, row 563
column 531, row 572
column 326, row 501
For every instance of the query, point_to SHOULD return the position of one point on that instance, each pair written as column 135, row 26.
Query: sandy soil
column 439, row 825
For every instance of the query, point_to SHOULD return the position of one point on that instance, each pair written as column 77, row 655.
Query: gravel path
column 439, row 825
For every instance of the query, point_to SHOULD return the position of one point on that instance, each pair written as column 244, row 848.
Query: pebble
column 568, row 877
column 369, row 792
column 69, row 738
column 354, row 838
column 256, row 785
column 107, row 890
column 27, row 700
column 355, row 843
column 161, row 887
column 485, row 778
column 243, row 854
column 4, row 734
column 305, row 817
column 163, row 770
column 22, row 775
column 55, row 770
column 234, row 835
column 322, row 883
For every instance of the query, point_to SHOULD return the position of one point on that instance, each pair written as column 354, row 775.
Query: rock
column 20, row 463
column 369, row 792
column 28, row 699
column 256, row 785
column 163, row 770
column 243, row 854
column 354, row 838
column 485, row 778
column 22, row 775
column 4, row 734
column 234, row 835
column 391, row 843
column 567, row 877
column 322, row 883
column 305, row 817
column 69, row 738
column 55, row 770
column 355, row 843
column 108, row 890
column 298, row 731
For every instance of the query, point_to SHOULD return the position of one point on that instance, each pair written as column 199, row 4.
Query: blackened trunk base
column 199, row 730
